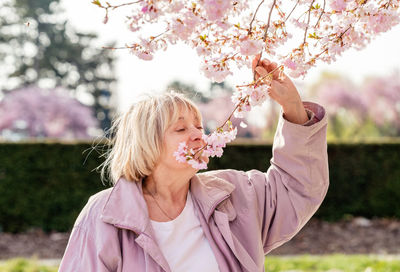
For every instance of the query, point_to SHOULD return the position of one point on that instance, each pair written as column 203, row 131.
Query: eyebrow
column 183, row 118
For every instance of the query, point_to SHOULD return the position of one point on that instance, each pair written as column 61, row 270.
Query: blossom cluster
column 230, row 33
column 227, row 33
column 214, row 144
column 249, row 96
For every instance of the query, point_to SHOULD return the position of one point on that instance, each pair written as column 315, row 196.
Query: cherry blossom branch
column 292, row 11
column 308, row 21
column 245, row 99
column 326, row 49
column 254, row 16
column 203, row 26
column 97, row 3
column 230, row 116
column 260, row 79
column 265, row 33
column 269, row 19
column 322, row 13
column 152, row 38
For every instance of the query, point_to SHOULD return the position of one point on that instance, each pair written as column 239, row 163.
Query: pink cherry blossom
column 197, row 164
column 337, row 5
column 250, row 47
column 144, row 55
column 216, row 9
column 216, row 72
column 216, row 28
column 259, row 95
column 227, row 33
column 290, row 64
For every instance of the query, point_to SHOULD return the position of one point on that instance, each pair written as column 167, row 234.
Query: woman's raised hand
column 282, row 90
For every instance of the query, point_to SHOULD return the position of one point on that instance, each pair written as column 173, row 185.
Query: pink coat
column 244, row 215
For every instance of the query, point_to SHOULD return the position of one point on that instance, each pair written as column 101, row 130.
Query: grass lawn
column 331, row 263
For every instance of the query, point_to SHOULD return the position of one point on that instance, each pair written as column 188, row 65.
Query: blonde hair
column 137, row 135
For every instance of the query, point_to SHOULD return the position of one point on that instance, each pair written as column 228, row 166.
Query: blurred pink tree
column 32, row 112
column 372, row 109
column 382, row 95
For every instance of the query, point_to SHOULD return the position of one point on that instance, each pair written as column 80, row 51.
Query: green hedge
column 45, row 185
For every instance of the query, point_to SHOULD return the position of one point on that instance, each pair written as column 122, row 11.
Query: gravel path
column 356, row 236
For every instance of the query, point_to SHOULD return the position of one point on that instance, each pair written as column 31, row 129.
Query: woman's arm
column 90, row 246
column 296, row 183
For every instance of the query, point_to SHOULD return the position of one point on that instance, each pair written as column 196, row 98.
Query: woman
column 162, row 216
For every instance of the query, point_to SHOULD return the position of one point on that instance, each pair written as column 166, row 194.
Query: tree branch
column 254, row 16
column 308, row 22
column 292, row 10
column 323, row 11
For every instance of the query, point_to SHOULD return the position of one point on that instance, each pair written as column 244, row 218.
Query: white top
column 183, row 243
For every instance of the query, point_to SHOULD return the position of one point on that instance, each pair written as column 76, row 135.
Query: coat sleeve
column 88, row 248
column 81, row 253
column 294, row 186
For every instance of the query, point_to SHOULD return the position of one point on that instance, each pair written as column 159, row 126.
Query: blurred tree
column 34, row 112
column 371, row 109
column 38, row 46
column 382, row 95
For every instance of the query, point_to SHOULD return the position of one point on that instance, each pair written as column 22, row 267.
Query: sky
column 180, row 62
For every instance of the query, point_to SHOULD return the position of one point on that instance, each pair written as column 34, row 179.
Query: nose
column 196, row 134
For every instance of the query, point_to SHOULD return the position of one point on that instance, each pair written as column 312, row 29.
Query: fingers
column 265, row 66
column 260, row 72
column 255, row 61
column 271, row 66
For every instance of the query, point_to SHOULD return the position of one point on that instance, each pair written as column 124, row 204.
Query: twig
column 259, row 79
column 97, row 3
column 308, row 21
column 254, row 16
column 338, row 38
column 269, row 19
column 265, row 34
column 114, row 7
column 292, row 10
column 319, row 18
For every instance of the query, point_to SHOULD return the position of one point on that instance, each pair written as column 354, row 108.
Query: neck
column 168, row 185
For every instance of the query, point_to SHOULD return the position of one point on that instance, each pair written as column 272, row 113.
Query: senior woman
column 162, row 216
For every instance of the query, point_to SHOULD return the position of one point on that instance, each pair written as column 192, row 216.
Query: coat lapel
column 127, row 209
column 222, row 221
column 213, row 195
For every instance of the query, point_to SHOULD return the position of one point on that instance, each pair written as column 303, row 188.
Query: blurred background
column 59, row 91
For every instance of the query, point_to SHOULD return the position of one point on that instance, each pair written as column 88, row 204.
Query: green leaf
column 96, row 2
column 313, row 36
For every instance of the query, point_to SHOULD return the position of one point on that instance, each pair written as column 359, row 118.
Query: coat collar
column 126, row 207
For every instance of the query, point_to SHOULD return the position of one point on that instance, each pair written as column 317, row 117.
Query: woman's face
column 187, row 129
